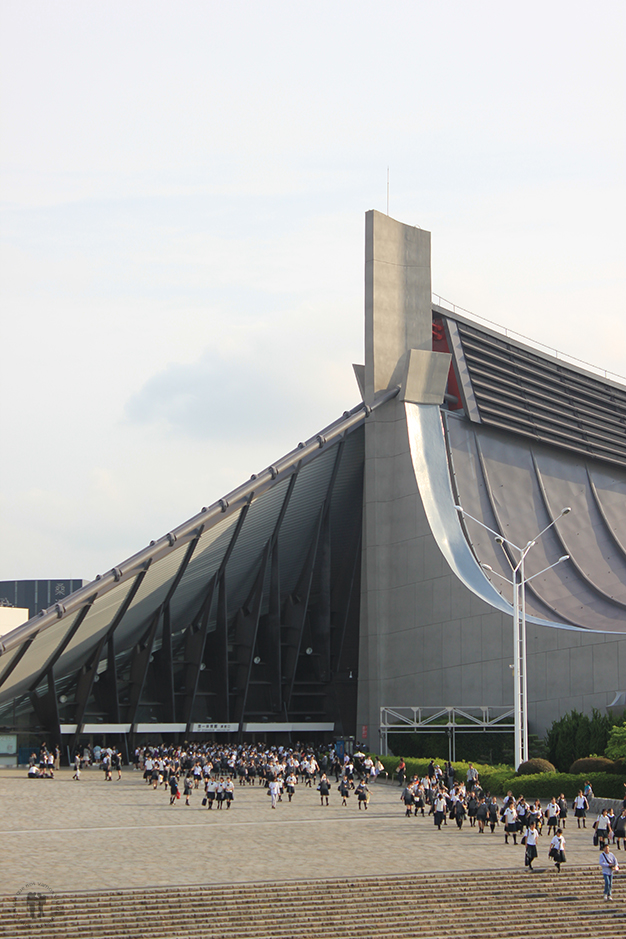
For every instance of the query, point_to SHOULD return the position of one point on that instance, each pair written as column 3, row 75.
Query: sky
column 183, row 193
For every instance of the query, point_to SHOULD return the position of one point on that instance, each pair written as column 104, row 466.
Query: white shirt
column 531, row 836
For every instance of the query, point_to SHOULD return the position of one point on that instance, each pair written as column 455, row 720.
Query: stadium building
column 342, row 584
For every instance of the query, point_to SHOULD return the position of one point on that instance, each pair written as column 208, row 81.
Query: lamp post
column 518, row 583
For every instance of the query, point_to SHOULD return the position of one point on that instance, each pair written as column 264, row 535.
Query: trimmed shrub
column 592, row 764
column 546, row 785
column 533, row 767
column 497, row 780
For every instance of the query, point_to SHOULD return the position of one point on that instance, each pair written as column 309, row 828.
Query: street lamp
column 518, row 583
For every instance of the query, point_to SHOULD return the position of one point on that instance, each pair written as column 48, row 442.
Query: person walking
column 581, row 807
column 472, row 808
column 459, row 813
column 440, row 809
column 492, row 812
column 362, row 794
column 603, row 829
column 608, row 866
column 274, row 788
column 116, row 763
column 187, row 789
column 210, row 790
column 552, row 814
column 408, row 798
column 174, row 793
column 344, row 790
column 291, row 783
column 324, row 789
column 619, row 832
column 482, row 812
column 557, row 849
column 510, row 822
column 531, row 845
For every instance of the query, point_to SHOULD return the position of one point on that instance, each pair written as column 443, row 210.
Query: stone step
column 505, row 904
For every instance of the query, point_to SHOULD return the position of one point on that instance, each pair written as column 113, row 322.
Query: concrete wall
column 427, row 640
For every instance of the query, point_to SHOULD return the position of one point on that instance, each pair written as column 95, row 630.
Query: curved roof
column 180, row 569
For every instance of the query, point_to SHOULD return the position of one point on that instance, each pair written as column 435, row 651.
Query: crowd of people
column 215, row 770
column 44, row 765
column 447, row 800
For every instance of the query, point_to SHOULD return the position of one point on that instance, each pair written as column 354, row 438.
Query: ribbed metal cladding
column 543, row 398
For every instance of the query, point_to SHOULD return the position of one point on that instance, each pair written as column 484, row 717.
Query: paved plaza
column 97, row 835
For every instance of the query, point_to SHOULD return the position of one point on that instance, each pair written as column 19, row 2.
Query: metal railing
column 448, row 720
column 563, row 356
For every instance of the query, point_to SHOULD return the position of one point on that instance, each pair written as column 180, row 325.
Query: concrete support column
column 398, row 320
column 398, row 296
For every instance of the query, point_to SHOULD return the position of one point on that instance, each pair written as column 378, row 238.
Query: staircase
column 485, row 905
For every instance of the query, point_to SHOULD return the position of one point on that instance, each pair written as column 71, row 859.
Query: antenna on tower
column 387, row 190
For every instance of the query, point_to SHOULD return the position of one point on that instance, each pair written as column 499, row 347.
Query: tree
column 616, row 747
column 576, row 736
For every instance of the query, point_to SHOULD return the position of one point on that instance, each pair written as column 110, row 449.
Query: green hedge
column 497, row 780
column 546, row 785
column 492, row 778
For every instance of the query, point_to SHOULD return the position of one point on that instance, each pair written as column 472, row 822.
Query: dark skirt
column 531, row 853
column 557, row 856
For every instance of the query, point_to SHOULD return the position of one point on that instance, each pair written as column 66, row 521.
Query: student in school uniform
column 362, row 794
column 324, row 788
column 460, row 812
column 531, row 845
column 409, row 800
column 210, row 790
column 482, row 812
column 440, row 809
column 174, row 793
column 557, row 849
column 291, row 782
column 492, row 813
column 619, row 832
column 603, row 829
column 510, row 822
column 581, row 807
column 552, row 814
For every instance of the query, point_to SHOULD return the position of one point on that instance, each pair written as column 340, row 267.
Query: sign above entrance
column 214, row 728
